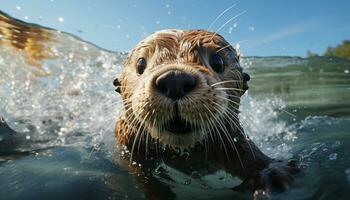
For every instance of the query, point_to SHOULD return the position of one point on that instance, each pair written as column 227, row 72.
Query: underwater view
column 58, row 110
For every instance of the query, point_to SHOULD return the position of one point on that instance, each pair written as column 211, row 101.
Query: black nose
column 175, row 84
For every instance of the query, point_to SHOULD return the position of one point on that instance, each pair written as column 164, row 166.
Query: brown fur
column 224, row 147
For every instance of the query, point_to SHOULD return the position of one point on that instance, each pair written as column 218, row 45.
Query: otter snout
column 175, row 84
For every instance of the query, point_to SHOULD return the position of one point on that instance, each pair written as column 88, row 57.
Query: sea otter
column 181, row 93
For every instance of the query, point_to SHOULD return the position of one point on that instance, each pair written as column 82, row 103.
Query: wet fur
column 225, row 148
column 220, row 144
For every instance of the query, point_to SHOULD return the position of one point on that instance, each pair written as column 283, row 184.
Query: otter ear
column 246, row 78
column 117, row 84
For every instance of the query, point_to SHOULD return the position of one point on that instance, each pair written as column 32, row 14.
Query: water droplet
column 333, row 156
column 28, row 137
column 251, row 28
column 60, row 19
column 230, row 30
column 346, row 71
column 26, row 17
column 169, row 12
column 157, row 22
column 237, row 46
column 18, row 7
column 26, row 130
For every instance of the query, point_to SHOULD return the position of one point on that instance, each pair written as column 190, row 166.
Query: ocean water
column 58, row 115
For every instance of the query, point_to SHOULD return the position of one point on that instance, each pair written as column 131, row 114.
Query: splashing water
column 260, row 120
column 63, row 98
column 67, row 101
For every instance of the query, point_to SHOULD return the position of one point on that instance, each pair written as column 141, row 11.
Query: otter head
column 181, row 87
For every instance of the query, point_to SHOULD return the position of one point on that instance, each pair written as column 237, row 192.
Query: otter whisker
column 228, row 136
column 228, row 21
column 226, row 114
column 237, row 42
column 235, row 118
column 215, row 127
column 235, row 89
column 137, row 135
column 222, row 82
column 234, row 96
column 245, row 136
column 227, row 99
column 145, row 127
column 206, row 140
column 125, row 111
column 220, row 15
column 202, row 128
column 224, row 47
column 152, row 128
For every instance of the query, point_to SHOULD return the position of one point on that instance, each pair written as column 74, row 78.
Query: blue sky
column 266, row 27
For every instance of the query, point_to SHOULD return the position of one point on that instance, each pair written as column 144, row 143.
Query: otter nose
column 175, row 84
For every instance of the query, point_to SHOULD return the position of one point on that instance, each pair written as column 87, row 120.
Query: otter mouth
column 178, row 125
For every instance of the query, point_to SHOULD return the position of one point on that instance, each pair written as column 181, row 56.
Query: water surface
column 56, row 135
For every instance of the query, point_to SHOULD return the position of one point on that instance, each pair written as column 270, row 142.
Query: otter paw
column 277, row 175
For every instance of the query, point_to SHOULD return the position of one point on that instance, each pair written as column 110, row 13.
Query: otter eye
column 217, row 63
column 141, row 65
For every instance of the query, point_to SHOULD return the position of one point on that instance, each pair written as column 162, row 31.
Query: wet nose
column 175, row 84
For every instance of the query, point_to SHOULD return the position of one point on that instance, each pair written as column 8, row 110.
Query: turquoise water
column 56, row 140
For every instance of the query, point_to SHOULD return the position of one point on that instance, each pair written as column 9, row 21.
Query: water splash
column 64, row 98
column 261, row 122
